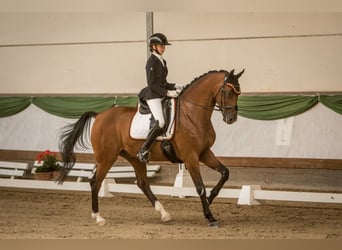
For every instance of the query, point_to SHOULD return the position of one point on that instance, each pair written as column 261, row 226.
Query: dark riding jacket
column 157, row 85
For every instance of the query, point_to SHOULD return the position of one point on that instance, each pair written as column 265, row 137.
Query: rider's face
column 159, row 48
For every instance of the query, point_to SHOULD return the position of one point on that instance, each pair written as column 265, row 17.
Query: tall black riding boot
column 144, row 153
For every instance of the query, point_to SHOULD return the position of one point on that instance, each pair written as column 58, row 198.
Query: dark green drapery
column 68, row 107
column 253, row 107
column 274, row 107
column 12, row 105
column 332, row 102
column 73, row 107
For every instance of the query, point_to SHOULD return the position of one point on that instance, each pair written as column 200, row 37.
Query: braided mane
column 203, row 75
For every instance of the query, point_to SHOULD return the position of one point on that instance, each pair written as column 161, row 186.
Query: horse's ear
column 238, row 75
column 231, row 73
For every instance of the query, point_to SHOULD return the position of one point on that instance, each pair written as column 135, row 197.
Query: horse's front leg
column 209, row 159
column 200, row 188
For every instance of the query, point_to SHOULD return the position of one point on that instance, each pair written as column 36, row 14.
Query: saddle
column 143, row 120
column 144, row 109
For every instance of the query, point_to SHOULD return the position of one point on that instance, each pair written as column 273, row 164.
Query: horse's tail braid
column 73, row 135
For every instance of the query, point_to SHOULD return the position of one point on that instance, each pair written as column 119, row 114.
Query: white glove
column 172, row 93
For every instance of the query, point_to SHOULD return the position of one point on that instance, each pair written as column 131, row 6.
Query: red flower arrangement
column 49, row 162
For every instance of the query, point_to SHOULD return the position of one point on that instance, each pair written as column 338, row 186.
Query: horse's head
column 227, row 96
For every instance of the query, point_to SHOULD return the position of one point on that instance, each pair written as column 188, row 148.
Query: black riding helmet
column 158, row 38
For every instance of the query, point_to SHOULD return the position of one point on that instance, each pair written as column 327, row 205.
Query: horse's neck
column 199, row 99
column 202, row 92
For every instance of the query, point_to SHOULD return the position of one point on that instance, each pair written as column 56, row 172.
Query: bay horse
column 193, row 137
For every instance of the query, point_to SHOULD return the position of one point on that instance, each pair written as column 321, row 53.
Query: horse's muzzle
column 230, row 118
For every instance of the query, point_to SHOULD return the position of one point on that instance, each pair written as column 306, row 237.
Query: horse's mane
column 203, row 75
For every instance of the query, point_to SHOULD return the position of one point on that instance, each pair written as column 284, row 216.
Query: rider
column 156, row 90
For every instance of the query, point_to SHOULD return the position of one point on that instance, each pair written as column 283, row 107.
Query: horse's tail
column 73, row 135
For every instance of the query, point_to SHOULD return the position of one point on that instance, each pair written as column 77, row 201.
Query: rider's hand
column 172, row 93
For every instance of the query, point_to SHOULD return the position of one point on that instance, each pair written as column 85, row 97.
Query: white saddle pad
column 140, row 125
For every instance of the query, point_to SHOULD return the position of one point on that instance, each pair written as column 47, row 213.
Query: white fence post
column 183, row 178
column 104, row 191
column 247, row 195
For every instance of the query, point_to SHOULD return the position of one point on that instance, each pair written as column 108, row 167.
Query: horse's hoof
column 214, row 224
column 101, row 222
column 166, row 217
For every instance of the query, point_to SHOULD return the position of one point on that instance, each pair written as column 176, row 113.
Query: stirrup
column 144, row 155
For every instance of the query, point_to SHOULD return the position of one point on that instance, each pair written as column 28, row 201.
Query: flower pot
column 42, row 176
column 55, row 175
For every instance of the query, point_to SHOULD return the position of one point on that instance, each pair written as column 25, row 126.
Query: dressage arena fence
column 19, row 175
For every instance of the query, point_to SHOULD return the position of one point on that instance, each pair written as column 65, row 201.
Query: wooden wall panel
column 72, row 53
column 281, row 52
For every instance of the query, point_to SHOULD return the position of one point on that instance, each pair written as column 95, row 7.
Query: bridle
column 227, row 108
column 219, row 107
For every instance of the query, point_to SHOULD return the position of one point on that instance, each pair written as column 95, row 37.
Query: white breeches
column 157, row 110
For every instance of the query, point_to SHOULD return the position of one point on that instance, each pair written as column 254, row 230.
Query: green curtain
column 130, row 101
column 73, row 107
column 332, row 102
column 13, row 105
column 274, row 107
column 253, row 107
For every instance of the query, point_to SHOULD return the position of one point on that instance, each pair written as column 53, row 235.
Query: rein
column 196, row 104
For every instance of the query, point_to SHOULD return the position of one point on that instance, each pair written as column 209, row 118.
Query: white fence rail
column 183, row 187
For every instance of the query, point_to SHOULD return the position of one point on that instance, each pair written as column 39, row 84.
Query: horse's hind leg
column 209, row 159
column 144, row 185
column 95, row 183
